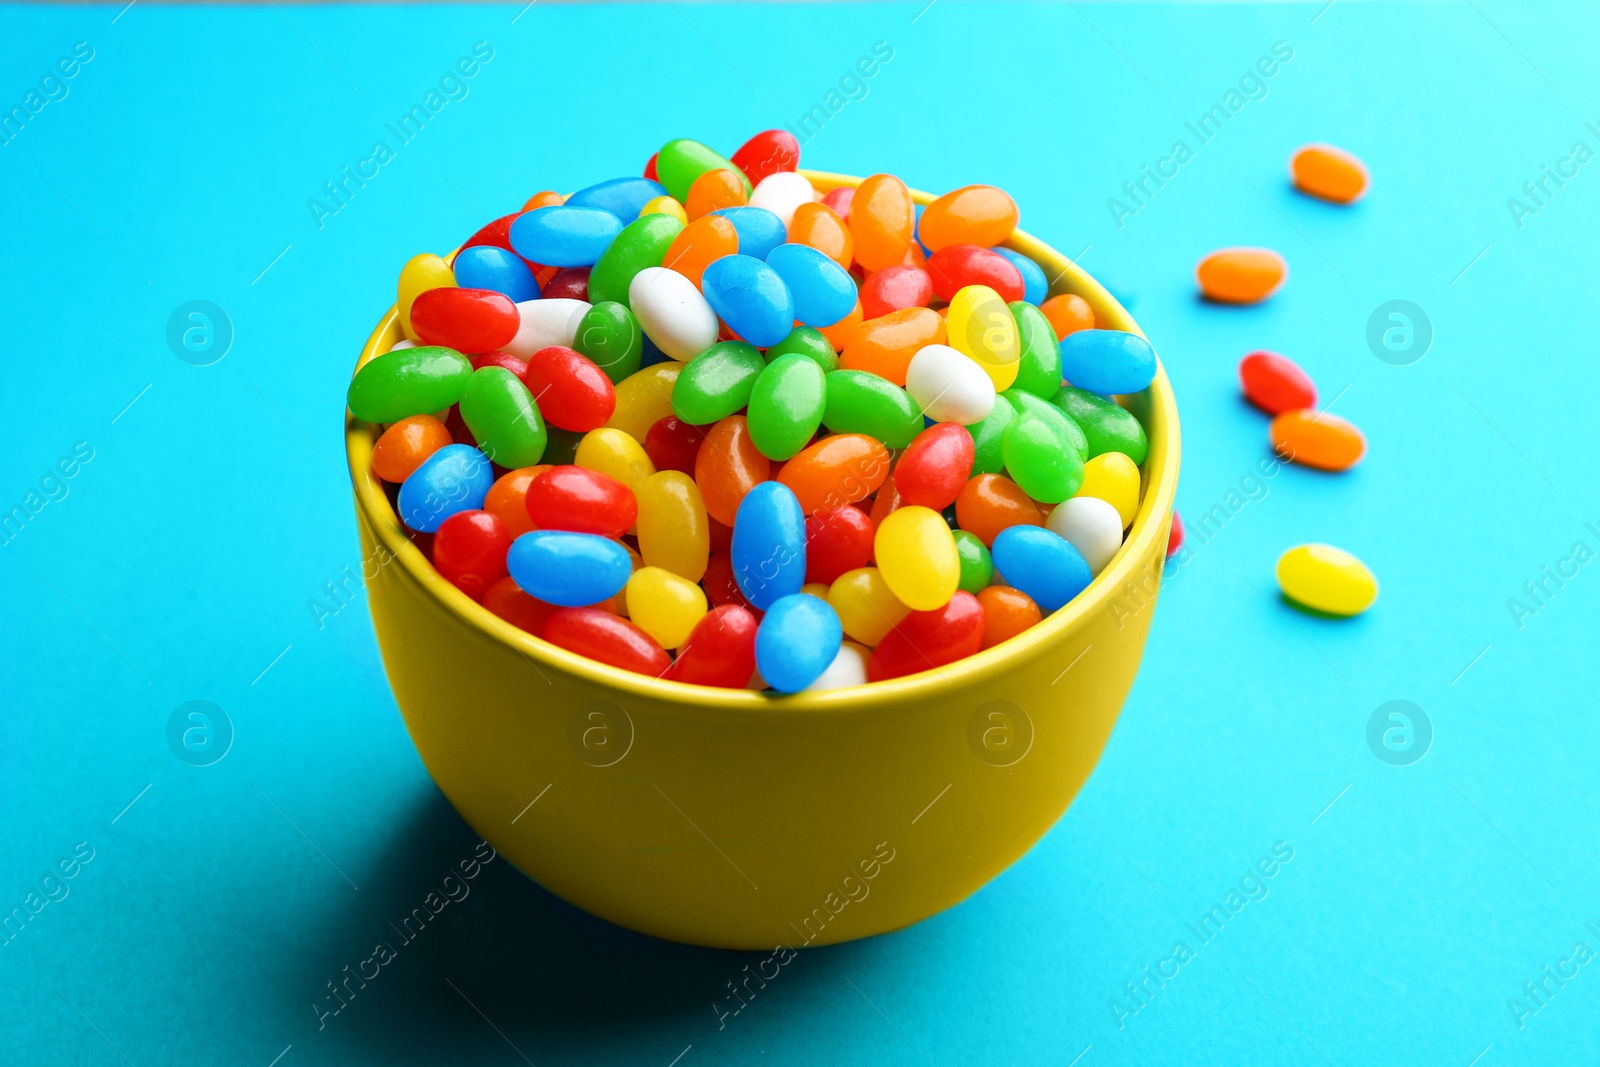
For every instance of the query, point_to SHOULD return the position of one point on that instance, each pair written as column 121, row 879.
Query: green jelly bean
column 642, row 243
column 977, row 566
column 1026, row 403
column 412, row 381
column 609, row 335
column 861, row 402
column 986, row 437
column 503, row 416
column 786, row 405
column 1039, row 366
column 807, row 342
column 680, row 162
column 717, row 382
column 1040, row 460
column 562, row 448
column 1108, row 426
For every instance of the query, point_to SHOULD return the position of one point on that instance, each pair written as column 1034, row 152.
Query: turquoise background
column 180, row 563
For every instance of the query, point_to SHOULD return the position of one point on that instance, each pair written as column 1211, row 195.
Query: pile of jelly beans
column 714, row 426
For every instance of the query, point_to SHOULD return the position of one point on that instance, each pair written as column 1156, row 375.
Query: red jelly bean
column 767, row 153
column 840, row 200
column 575, row 498
column 1275, row 383
column 673, row 444
column 959, row 266
column 469, row 549
column 467, row 320
column 895, row 289
column 935, row 467
column 720, row 586
column 496, row 233
column 571, row 283
column 499, row 359
column 837, row 541
column 507, row 600
column 571, row 391
column 650, row 166
column 924, row 640
column 720, row 651
column 459, row 432
column 602, row 636
column 721, row 536
column 1175, row 538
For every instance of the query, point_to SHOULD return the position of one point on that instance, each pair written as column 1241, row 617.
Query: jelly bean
column 884, row 504
column 769, row 545
column 980, row 326
column 786, row 405
column 840, row 200
column 849, row 668
column 917, row 556
column 977, row 566
column 565, row 236
column 949, row 387
column 516, row 366
column 881, row 221
column 842, row 330
column 720, row 650
column 623, row 197
column 866, row 606
column 469, row 550
column 1328, row 173
column 990, row 503
column 412, row 381
column 1241, row 275
column 458, row 429
column 642, row 243
column 569, row 283
column 467, row 320
column 1035, row 286
column 1175, row 536
column 885, row 345
column 895, row 289
column 1040, row 459
column 958, row 266
column 645, row 398
column 864, row 403
column 714, row 190
column 608, row 335
column 1071, row 433
column 805, row 341
column 717, row 382
column 665, row 205
column 822, row 291
column 1326, row 579
column 664, row 605
column 545, row 322
column 750, row 297
column 650, row 166
column 545, row 198
column 767, row 153
column 455, row 478
column 603, row 637
column 702, row 242
column 973, row 214
column 508, row 601
column 575, row 392
column 680, row 162
column 496, row 233
column 1039, row 359
column 1317, row 439
column 781, row 193
column 1068, row 313
column 672, row 444
column 1093, row 526
column 615, row 454
column 582, row 501
column 503, row 417
column 797, row 640
column 1107, row 426
column 398, row 345
column 839, row 469
column 728, row 466
column 760, row 231
column 672, row 312
column 928, row 640
column 404, row 446
column 816, row 225
column 1275, row 383
column 488, row 267
column 420, row 274
column 988, row 437
column 721, row 534
column 567, row 568
column 1042, row 564
column 673, row 533
column 508, row 499
column 1113, row 478
column 837, row 540
column 933, row 469
column 1006, row 613
column 1108, row 361
column 721, row 587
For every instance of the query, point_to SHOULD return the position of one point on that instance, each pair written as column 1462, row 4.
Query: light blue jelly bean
column 489, row 267
column 623, row 197
column 769, row 544
column 751, row 298
column 573, row 570
column 455, row 478
column 823, row 291
column 1035, row 287
column 916, row 227
column 562, row 236
column 760, row 231
column 1045, row 566
column 799, row 637
column 1107, row 361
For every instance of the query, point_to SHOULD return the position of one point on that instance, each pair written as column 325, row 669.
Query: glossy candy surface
column 421, row 273
column 545, row 322
column 615, row 454
column 798, row 638
column 1328, row 173
column 822, row 292
column 860, row 402
column 750, row 297
column 927, row 640
column 837, row 540
column 1067, row 314
column 728, row 466
column 974, row 215
column 568, row 569
column 769, row 545
column 571, row 391
column 866, row 606
column 1041, row 457
column 759, row 230
column 817, row 225
column 507, row 600
column 958, row 266
column 1107, row 361
column 642, row 243
column 720, row 650
column 672, row 312
column 408, row 381
column 1114, row 478
column 977, row 565
column 455, row 478
column 565, row 236
column 917, row 556
column 717, row 382
column 602, row 636
column 469, row 549
column 885, row 345
column 786, row 405
column 502, row 415
column 645, row 397
column 781, row 193
column 989, row 503
column 1042, row 564
column 623, row 197
column 672, row 525
column 949, row 387
column 895, row 289
column 699, row 244
column 664, row 605
column 768, row 152
column 1275, row 383
column 1007, row 612
column 1035, row 286
column 508, row 498
column 714, row 190
column 681, row 161
column 837, row 470
column 489, row 267
column 980, row 326
column 467, row 320
column 805, row 341
column 881, row 221
column 1092, row 525
column 1327, row 579
column 1317, row 439
column 673, row 444
column 404, row 446
column 581, row 500
column 1106, row 426
column 935, row 466
column 1241, row 275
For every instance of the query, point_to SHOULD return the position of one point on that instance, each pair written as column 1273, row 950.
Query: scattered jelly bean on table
column 1326, row 579
column 798, row 638
column 1328, row 173
column 1275, row 383
column 1241, row 275
column 1317, row 439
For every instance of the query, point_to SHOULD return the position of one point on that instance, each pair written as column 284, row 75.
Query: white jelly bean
column 1092, row 526
column 781, row 193
column 848, row 668
column 672, row 313
column 545, row 323
column 398, row 345
column 948, row 386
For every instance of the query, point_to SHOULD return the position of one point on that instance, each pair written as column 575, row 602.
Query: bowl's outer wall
column 738, row 820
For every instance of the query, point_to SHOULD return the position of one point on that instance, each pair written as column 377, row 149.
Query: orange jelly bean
column 698, row 244
column 1068, row 313
column 882, row 221
column 820, row 227
column 1328, row 173
column 839, row 332
column 972, row 215
column 508, row 498
column 1006, row 613
column 1324, row 441
column 989, row 503
column 727, row 467
column 714, row 190
column 1241, row 275
column 836, row 471
column 885, row 345
column 885, row 504
column 404, row 445
column 544, row 199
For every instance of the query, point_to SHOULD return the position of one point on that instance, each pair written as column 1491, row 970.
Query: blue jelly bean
column 1107, row 361
column 823, row 291
column 760, row 231
column 562, row 236
column 652, row 354
column 573, row 570
column 799, row 637
column 623, row 197
column 489, row 267
column 751, row 298
column 916, row 227
column 1035, row 287
column 769, row 544
column 455, row 478
column 1049, row 568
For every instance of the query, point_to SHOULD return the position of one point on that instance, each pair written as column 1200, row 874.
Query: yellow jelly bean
column 981, row 327
column 1327, row 579
column 816, row 589
column 420, row 274
column 616, row 455
column 917, row 556
column 1114, row 478
column 644, row 398
column 665, row 205
column 673, row 532
column 865, row 605
column 664, row 605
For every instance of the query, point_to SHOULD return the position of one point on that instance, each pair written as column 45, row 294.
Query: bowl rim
column 1159, row 473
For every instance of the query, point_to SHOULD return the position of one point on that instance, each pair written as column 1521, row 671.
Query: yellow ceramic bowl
column 745, row 820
